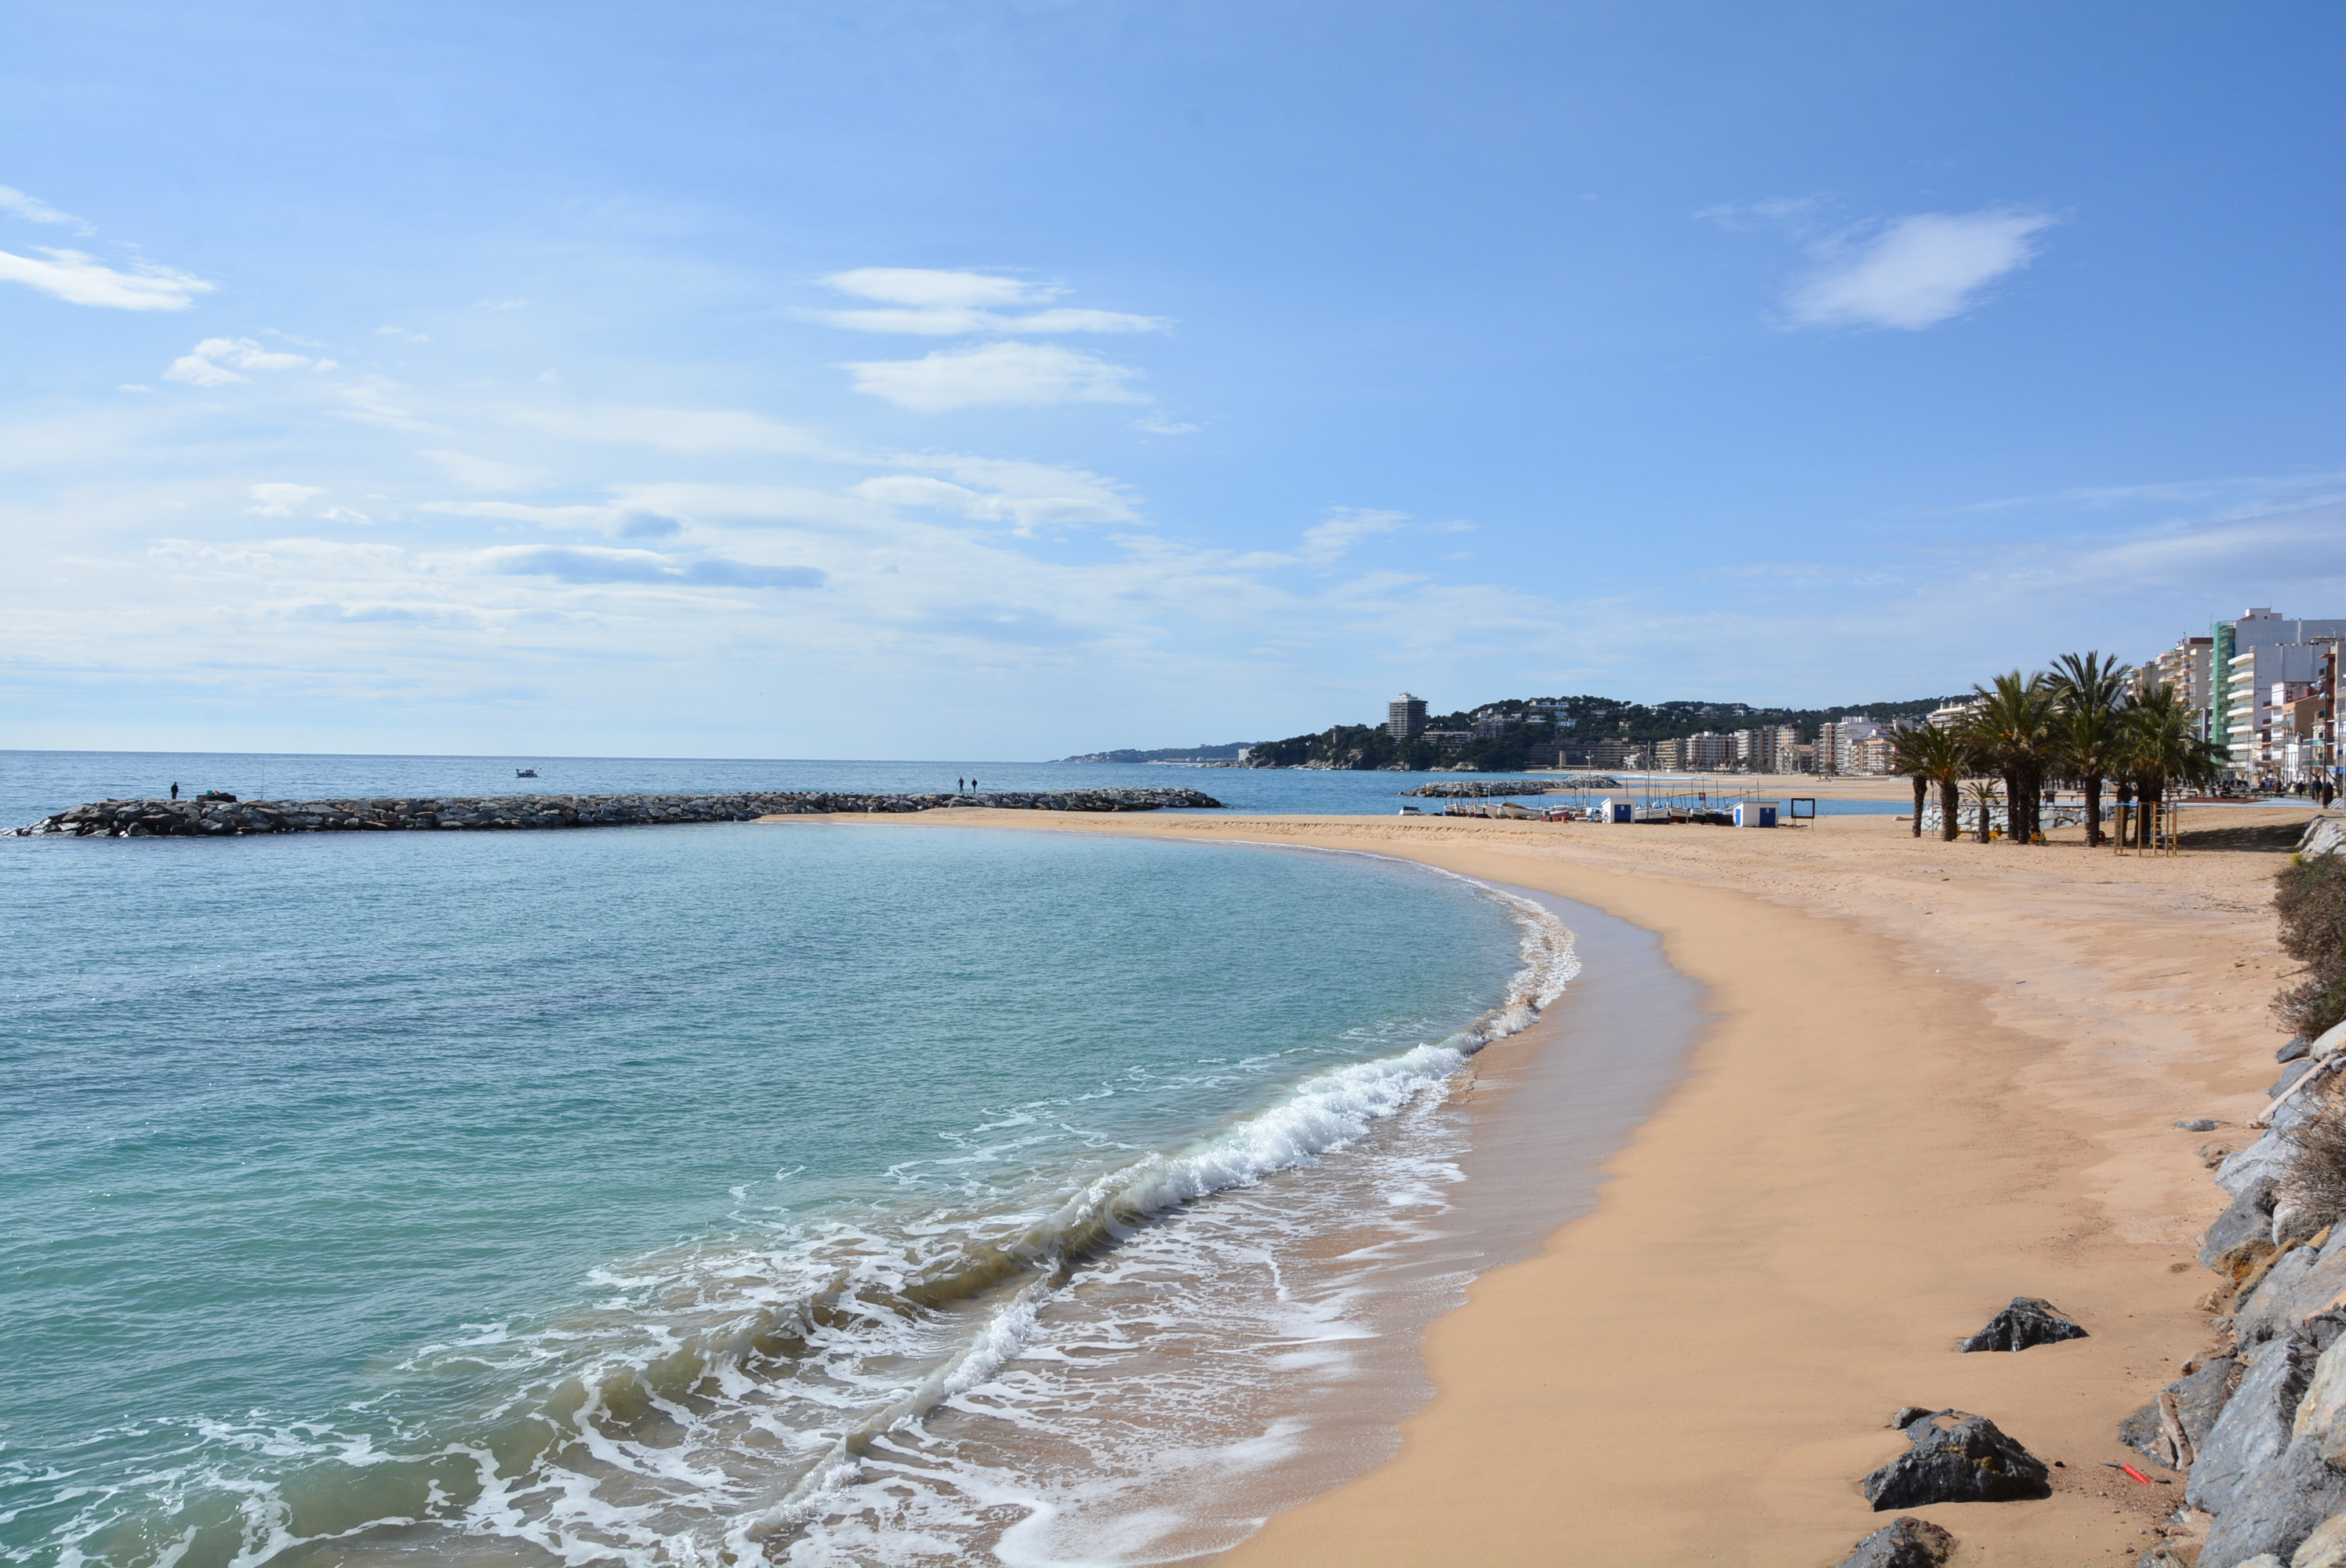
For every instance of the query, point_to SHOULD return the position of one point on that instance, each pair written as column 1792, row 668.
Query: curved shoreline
column 1936, row 1076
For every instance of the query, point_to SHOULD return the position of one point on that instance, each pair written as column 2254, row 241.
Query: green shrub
column 2311, row 896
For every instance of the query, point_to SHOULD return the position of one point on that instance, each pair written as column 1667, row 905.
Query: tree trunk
column 1921, row 792
column 2125, row 828
column 2013, row 791
column 2093, row 811
column 1951, row 805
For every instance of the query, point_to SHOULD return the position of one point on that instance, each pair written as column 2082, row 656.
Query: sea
column 731, row 1193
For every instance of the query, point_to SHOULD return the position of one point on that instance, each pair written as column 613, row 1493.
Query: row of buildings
column 2263, row 694
column 1853, row 745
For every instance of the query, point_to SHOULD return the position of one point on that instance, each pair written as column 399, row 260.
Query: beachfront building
column 2262, row 684
column 1405, row 717
column 2240, row 696
column 1767, row 748
column 2189, row 667
column 1838, row 742
column 1947, row 715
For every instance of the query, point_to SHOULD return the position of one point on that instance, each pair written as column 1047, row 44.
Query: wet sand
column 1936, row 1076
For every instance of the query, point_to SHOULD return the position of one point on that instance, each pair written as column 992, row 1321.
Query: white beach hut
column 1755, row 813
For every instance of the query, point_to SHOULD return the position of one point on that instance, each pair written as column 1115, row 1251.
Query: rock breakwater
column 217, row 818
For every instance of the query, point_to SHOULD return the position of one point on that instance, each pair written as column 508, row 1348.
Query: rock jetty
column 215, row 818
column 1482, row 789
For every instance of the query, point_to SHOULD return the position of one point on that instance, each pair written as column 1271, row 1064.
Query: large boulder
column 2283, row 1503
column 1957, row 1457
column 2302, row 1285
column 2254, row 1429
column 2200, row 1396
column 1903, row 1543
column 2324, row 836
column 2242, row 1237
column 2267, row 1159
column 2029, row 1321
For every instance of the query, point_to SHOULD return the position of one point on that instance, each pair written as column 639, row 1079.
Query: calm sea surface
column 33, row 784
column 794, row 1193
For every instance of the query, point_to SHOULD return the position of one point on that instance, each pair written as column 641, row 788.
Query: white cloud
column 595, row 565
column 1160, row 424
column 1917, row 271
column 80, row 279
column 1027, row 376
column 1326, row 543
column 942, row 304
column 33, row 209
column 484, row 473
column 345, row 515
column 402, row 334
column 278, row 500
column 931, row 288
column 207, row 364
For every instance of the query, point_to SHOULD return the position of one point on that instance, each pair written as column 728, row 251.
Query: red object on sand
column 2136, row 1473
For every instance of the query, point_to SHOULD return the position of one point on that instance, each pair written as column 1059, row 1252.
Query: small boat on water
column 524, row 772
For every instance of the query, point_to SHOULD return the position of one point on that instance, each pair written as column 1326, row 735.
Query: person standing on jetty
column 175, row 789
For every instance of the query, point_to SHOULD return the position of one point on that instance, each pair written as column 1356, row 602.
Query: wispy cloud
column 1026, row 375
column 206, row 365
column 33, row 209
column 592, row 564
column 935, row 303
column 1916, row 271
column 402, row 334
column 81, row 280
column 1327, row 542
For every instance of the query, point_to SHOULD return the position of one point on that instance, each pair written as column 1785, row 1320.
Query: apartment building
column 1405, row 717
column 2242, row 674
column 1837, row 744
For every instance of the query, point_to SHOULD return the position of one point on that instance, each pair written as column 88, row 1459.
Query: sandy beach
column 1937, row 1076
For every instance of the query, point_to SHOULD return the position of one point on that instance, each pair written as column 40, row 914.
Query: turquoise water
column 33, row 784
column 832, row 1194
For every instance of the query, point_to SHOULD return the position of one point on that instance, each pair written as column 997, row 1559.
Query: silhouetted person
column 972, row 785
column 175, row 791
column 958, row 786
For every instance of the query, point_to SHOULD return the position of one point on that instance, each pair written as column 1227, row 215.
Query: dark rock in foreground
column 1957, row 1457
column 2029, row 1321
column 217, row 818
column 1907, row 1543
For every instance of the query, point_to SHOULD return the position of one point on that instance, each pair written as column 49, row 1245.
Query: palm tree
column 1933, row 754
column 2089, row 695
column 1983, row 794
column 2157, row 750
column 2013, row 728
column 1906, row 743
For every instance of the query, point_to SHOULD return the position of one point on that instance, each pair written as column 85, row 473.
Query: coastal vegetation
column 2083, row 725
column 2310, row 895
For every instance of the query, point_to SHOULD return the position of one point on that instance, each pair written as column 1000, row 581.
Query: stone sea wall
column 215, row 818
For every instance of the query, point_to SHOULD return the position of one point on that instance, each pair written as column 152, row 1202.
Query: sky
column 1014, row 380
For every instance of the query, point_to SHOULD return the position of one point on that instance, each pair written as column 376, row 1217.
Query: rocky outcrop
column 1957, row 1457
column 2324, row 836
column 2241, row 1238
column 1482, row 789
column 220, row 819
column 1906, row 1542
column 2254, row 1428
column 2278, row 1507
column 2029, row 1321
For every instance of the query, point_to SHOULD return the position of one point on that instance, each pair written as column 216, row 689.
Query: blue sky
column 1010, row 380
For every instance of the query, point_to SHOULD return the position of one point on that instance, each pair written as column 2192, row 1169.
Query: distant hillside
column 1575, row 721
column 1167, row 754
